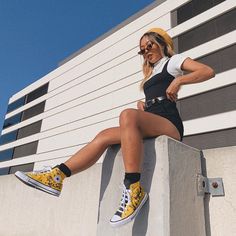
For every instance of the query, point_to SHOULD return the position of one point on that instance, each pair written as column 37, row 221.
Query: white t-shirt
column 174, row 65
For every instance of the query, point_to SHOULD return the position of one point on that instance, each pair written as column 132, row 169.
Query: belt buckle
column 160, row 99
column 150, row 102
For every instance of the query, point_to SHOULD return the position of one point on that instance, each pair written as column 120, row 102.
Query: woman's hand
column 141, row 105
column 198, row 72
column 173, row 89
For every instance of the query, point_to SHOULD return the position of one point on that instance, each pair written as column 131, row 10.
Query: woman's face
column 151, row 51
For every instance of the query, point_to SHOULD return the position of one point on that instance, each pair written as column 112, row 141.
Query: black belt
column 150, row 102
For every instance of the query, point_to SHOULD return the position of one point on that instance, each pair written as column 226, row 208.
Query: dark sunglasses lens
column 141, row 52
column 149, row 46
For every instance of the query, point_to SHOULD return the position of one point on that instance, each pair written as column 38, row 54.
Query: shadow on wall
column 206, row 199
column 113, row 176
column 107, row 168
column 149, row 163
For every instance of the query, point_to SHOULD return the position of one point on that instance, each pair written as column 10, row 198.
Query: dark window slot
column 9, row 137
column 37, row 93
column 16, row 104
column 6, row 155
column 12, row 120
column 192, row 9
column 206, row 32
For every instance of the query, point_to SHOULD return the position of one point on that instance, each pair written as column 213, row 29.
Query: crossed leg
column 135, row 125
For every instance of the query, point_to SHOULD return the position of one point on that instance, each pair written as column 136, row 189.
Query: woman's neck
column 160, row 61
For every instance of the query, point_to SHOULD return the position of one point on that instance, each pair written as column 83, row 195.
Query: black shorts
column 168, row 110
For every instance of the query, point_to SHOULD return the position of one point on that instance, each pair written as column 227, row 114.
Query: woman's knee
column 106, row 137
column 128, row 117
column 101, row 138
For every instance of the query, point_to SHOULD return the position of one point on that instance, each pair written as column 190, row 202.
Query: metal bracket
column 213, row 186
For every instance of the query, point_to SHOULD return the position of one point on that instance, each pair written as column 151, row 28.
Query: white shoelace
column 45, row 169
column 124, row 200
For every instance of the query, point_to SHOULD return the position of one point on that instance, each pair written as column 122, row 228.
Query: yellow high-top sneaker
column 131, row 202
column 48, row 180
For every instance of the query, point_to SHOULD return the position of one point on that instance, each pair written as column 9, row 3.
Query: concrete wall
column 169, row 176
column 221, row 211
column 90, row 198
column 26, row 211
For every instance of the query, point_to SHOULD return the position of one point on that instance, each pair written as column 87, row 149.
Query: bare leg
column 136, row 125
column 89, row 154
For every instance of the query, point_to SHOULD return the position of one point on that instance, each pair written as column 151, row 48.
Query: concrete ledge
column 26, row 211
column 169, row 176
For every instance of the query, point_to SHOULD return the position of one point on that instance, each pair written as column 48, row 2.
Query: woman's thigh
column 152, row 125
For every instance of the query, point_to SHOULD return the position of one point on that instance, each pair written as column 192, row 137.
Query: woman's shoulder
column 175, row 63
column 177, row 58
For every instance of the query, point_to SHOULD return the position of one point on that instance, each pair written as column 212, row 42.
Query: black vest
column 157, row 85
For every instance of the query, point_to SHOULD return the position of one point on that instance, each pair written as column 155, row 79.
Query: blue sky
column 35, row 35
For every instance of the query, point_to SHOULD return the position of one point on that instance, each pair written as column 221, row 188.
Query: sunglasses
column 148, row 48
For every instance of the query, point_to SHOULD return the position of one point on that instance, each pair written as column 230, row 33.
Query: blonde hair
column 165, row 49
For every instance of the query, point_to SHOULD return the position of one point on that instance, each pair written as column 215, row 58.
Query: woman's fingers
column 172, row 96
column 141, row 105
column 172, row 90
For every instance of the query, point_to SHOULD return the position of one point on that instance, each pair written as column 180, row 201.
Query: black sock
column 65, row 169
column 131, row 178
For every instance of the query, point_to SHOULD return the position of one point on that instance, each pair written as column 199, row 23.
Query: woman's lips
column 149, row 56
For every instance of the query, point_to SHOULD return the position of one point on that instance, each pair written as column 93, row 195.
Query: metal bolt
column 215, row 185
column 203, row 184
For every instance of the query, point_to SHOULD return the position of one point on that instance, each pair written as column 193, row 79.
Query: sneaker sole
column 35, row 184
column 131, row 217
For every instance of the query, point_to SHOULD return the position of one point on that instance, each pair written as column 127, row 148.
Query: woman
column 163, row 77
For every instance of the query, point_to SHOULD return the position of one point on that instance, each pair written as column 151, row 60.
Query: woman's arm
column 198, row 73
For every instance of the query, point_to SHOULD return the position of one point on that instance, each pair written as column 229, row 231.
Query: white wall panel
column 109, row 115
column 108, row 54
column 87, row 84
column 210, row 123
column 93, row 66
column 212, row 46
column 103, row 81
column 126, row 95
column 75, row 137
column 110, row 101
column 79, row 112
column 41, row 157
column 220, row 80
column 74, row 106
column 42, row 164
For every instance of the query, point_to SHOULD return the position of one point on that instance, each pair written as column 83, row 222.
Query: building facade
column 52, row 118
